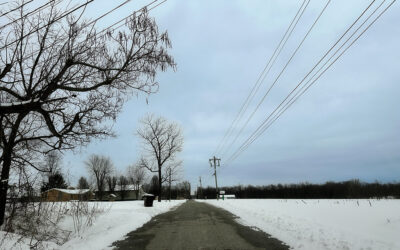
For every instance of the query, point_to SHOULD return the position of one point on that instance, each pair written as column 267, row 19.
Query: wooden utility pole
column 201, row 189
column 215, row 162
column 170, row 181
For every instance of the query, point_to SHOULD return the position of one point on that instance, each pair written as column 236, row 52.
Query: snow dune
column 322, row 224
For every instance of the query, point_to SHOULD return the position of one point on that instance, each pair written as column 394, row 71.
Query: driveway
column 196, row 225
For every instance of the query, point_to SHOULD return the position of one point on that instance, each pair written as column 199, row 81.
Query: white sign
column 221, row 192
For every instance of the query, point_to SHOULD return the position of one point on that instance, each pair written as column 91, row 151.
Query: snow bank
column 122, row 218
column 118, row 219
column 322, row 224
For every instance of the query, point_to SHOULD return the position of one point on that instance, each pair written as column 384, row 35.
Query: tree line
column 352, row 189
column 104, row 179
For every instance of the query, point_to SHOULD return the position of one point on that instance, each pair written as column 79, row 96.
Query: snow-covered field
column 118, row 219
column 322, row 224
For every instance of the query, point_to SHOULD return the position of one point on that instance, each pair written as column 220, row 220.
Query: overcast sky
column 346, row 126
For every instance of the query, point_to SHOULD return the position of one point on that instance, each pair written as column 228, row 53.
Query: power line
column 277, row 78
column 44, row 26
column 257, row 84
column 107, row 13
column 17, row 8
column 305, row 87
column 261, row 129
column 134, row 13
column 110, row 26
column 31, row 12
column 265, row 123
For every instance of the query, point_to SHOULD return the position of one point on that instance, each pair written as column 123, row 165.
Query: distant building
column 227, row 196
column 129, row 192
column 59, row 194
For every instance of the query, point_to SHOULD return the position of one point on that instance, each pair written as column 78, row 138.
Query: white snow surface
column 122, row 218
column 119, row 218
column 322, row 224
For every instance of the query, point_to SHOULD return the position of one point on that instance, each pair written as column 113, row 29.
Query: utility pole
column 201, row 189
column 215, row 162
column 170, row 181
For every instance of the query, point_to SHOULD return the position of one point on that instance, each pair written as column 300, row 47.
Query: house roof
column 71, row 191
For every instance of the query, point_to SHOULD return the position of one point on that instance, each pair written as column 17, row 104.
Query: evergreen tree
column 154, row 185
column 55, row 180
column 83, row 183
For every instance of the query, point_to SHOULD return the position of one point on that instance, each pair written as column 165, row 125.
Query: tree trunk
column 100, row 195
column 159, row 184
column 5, row 173
column 169, row 191
column 100, row 188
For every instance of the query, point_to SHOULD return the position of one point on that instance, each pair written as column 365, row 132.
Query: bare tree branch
column 63, row 83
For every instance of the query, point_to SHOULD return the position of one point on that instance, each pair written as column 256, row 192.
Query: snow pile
column 118, row 219
column 322, row 224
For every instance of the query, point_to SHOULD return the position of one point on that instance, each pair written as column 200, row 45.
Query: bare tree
column 61, row 80
column 187, row 189
column 137, row 176
column 52, row 163
column 172, row 174
column 111, row 182
column 162, row 141
column 51, row 172
column 183, row 189
column 99, row 167
column 122, row 185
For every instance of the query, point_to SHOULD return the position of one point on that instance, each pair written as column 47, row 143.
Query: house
column 128, row 192
column 59, row 194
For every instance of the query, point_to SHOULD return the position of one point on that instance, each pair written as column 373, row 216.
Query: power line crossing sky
column 346, row 126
